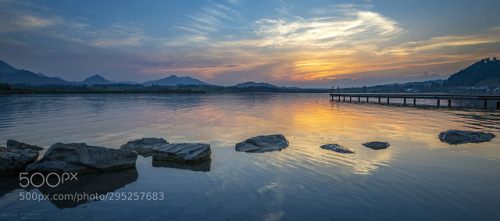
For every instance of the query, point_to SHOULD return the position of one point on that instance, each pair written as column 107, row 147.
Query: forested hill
column 485, row 72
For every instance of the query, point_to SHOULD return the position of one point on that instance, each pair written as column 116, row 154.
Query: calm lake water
column 417, row 178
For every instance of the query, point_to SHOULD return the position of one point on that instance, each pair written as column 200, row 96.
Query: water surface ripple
column 416, row 178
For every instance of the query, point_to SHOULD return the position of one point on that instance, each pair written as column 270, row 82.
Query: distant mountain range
column 96, row 79
column 28, row 77
column 11, row 75
column 174, row 80
column 253, row 84
column 485, row 72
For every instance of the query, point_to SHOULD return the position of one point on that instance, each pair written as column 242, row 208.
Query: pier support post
column 350, row 99
column 387, row 100
column 449, row 103
column 366, row 99
column 343, row 99
column 404, row 101
column 485, row 104
column 439, row 102
column 359, row 99
column 414, row 102
column 379, row 100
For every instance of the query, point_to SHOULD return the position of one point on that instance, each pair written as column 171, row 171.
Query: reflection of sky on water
column 308, row 121
column 277, row 184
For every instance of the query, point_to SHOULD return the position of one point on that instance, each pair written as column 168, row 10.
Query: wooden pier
column 412, row 97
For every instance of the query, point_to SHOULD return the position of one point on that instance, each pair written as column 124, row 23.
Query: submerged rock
column 182, row 152
column 144, row 146
column 337, row 148
column 264, row 143
column 82, row 158
column 462, row 137
column 22, row 146
column 14, row 160
column 377, row 145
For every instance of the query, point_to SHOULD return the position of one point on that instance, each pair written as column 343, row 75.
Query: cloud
column 24, row 22
column 326, row 32
column 436, row 43
column 17, row 18
column 298, row 48
column 129, row 41
column 334, row 9
column 27, row 21
column 351, row 42
column 212, row 20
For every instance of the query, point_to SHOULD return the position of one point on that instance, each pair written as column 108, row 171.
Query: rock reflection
column 10, row 183
column 201, row 166
column 98, row 183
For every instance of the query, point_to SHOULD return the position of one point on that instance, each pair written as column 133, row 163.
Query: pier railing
column 414, row 96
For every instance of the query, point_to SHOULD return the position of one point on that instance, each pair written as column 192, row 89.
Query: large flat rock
column 463, row 137
column 263, row 143
column 82, row 158
column 144, row 146
column 183, row 152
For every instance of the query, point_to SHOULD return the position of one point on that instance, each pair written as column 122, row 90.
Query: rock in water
column 144, row 146
column 21, row 146
column 462, row 137
column 260, row 144
column 183, row 152
column 13, row 160
column 376, row 145
column 337, row 148
column 82, row 158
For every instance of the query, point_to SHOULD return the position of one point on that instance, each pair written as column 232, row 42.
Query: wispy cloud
column 436, row 43
column 326, row 32
column 213, row 19
column 119, row 35
column 45, row 24
column 10, row 22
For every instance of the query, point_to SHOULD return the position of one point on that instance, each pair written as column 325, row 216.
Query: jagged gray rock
column 22, row 146
column 183, row 152
column 82, row 158
column 377, row 145
column 463, row 136
column 337, row 148
column 144, row 146
column 14, row 160
column 263, row 143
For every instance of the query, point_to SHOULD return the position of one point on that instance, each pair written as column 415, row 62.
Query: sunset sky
column 284, row 42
